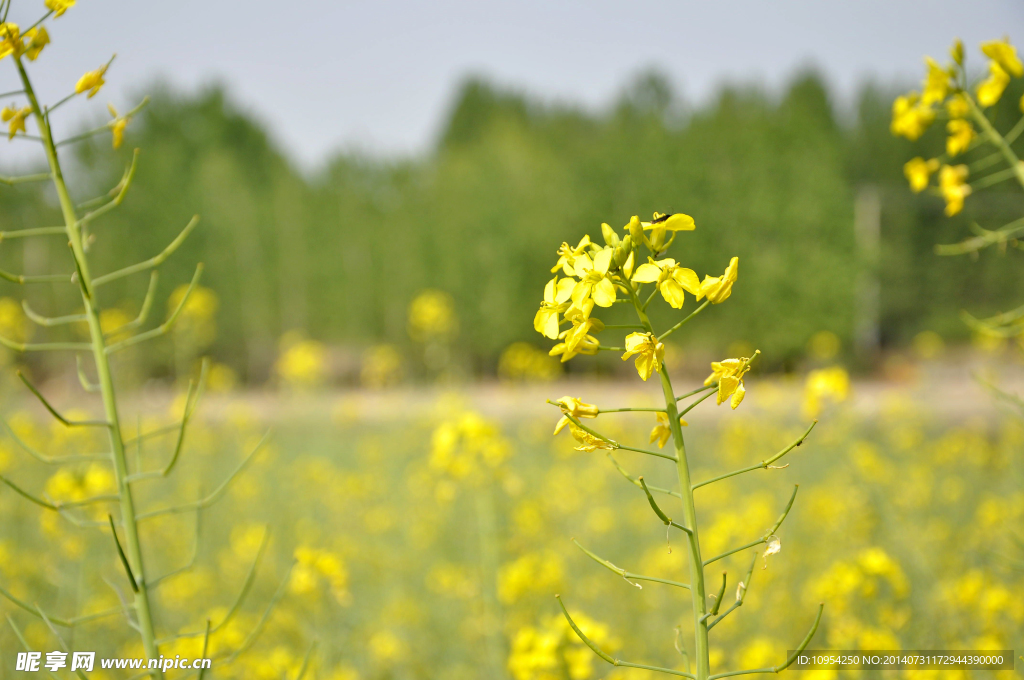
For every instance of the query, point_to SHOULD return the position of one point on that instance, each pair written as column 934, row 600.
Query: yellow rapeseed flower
column 956, row 51
column 991, row 89
column 918, row 171
column 587, row 441
column 15, row 119
column 662, row 431
column 936, row 84
column 823, row 386
column 910, row 117
column 432, row 316
column 38, row 39
column 92, row 81
column 10, row 40
column 729, row 376
column 572, row 406
column 577, row 340
column 717, row 289
column 1004, row 54
column 594, row 283
column 662, row 223
column 556, row 295
column 954, row 187
column 117, row 126
column 960, row 136
column 567, row 256
column 672, row 280
column 957, row 106
column 649, row 353
column 58, row 7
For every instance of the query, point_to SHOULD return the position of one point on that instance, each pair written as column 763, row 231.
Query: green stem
column 106, row 382
column 996, row 139
column 697, row 586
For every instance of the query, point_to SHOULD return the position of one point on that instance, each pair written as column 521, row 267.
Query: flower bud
column 610, row 237
column 622, row 250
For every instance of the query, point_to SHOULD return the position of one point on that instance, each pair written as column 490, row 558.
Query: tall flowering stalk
column 602, row 276
column 117, row 513
column 970, row 122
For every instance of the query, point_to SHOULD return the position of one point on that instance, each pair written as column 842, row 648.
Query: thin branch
column 33, row 231
column 63, row 623
column 636, row 481
column 628, row 575
column 50, row 321
column 626, row 410
column 147, row 304
column 789, row 661
column 96, row 131
column 121, row 190
column 679, row 325
column 206, row 647
column 608, row 657
column 55, row 413
column 765, row 537
column 82, row 378
column 985, row 238
column 213, row 497
column 718, row 597
column 229, row 658
column 23, row 279
column 741, row 594
column 51, row 460
column 11, row 181
column 63, row 645
column 666, row 520
column 764, row 464
column 246, row 587
column 614, row 444
column 153, row 583
column 166, row 326
column 695, row 403
column 697, row 391
column 152, row 262
column 124, row 558
column 306, row 661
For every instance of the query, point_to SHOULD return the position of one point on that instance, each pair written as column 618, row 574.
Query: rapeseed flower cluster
column 946, row 95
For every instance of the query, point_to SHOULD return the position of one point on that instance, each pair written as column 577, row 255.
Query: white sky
column 378, row 75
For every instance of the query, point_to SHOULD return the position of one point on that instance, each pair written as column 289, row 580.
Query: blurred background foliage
column 338, row 253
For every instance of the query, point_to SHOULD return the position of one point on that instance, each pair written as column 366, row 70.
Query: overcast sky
column 379, row 75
